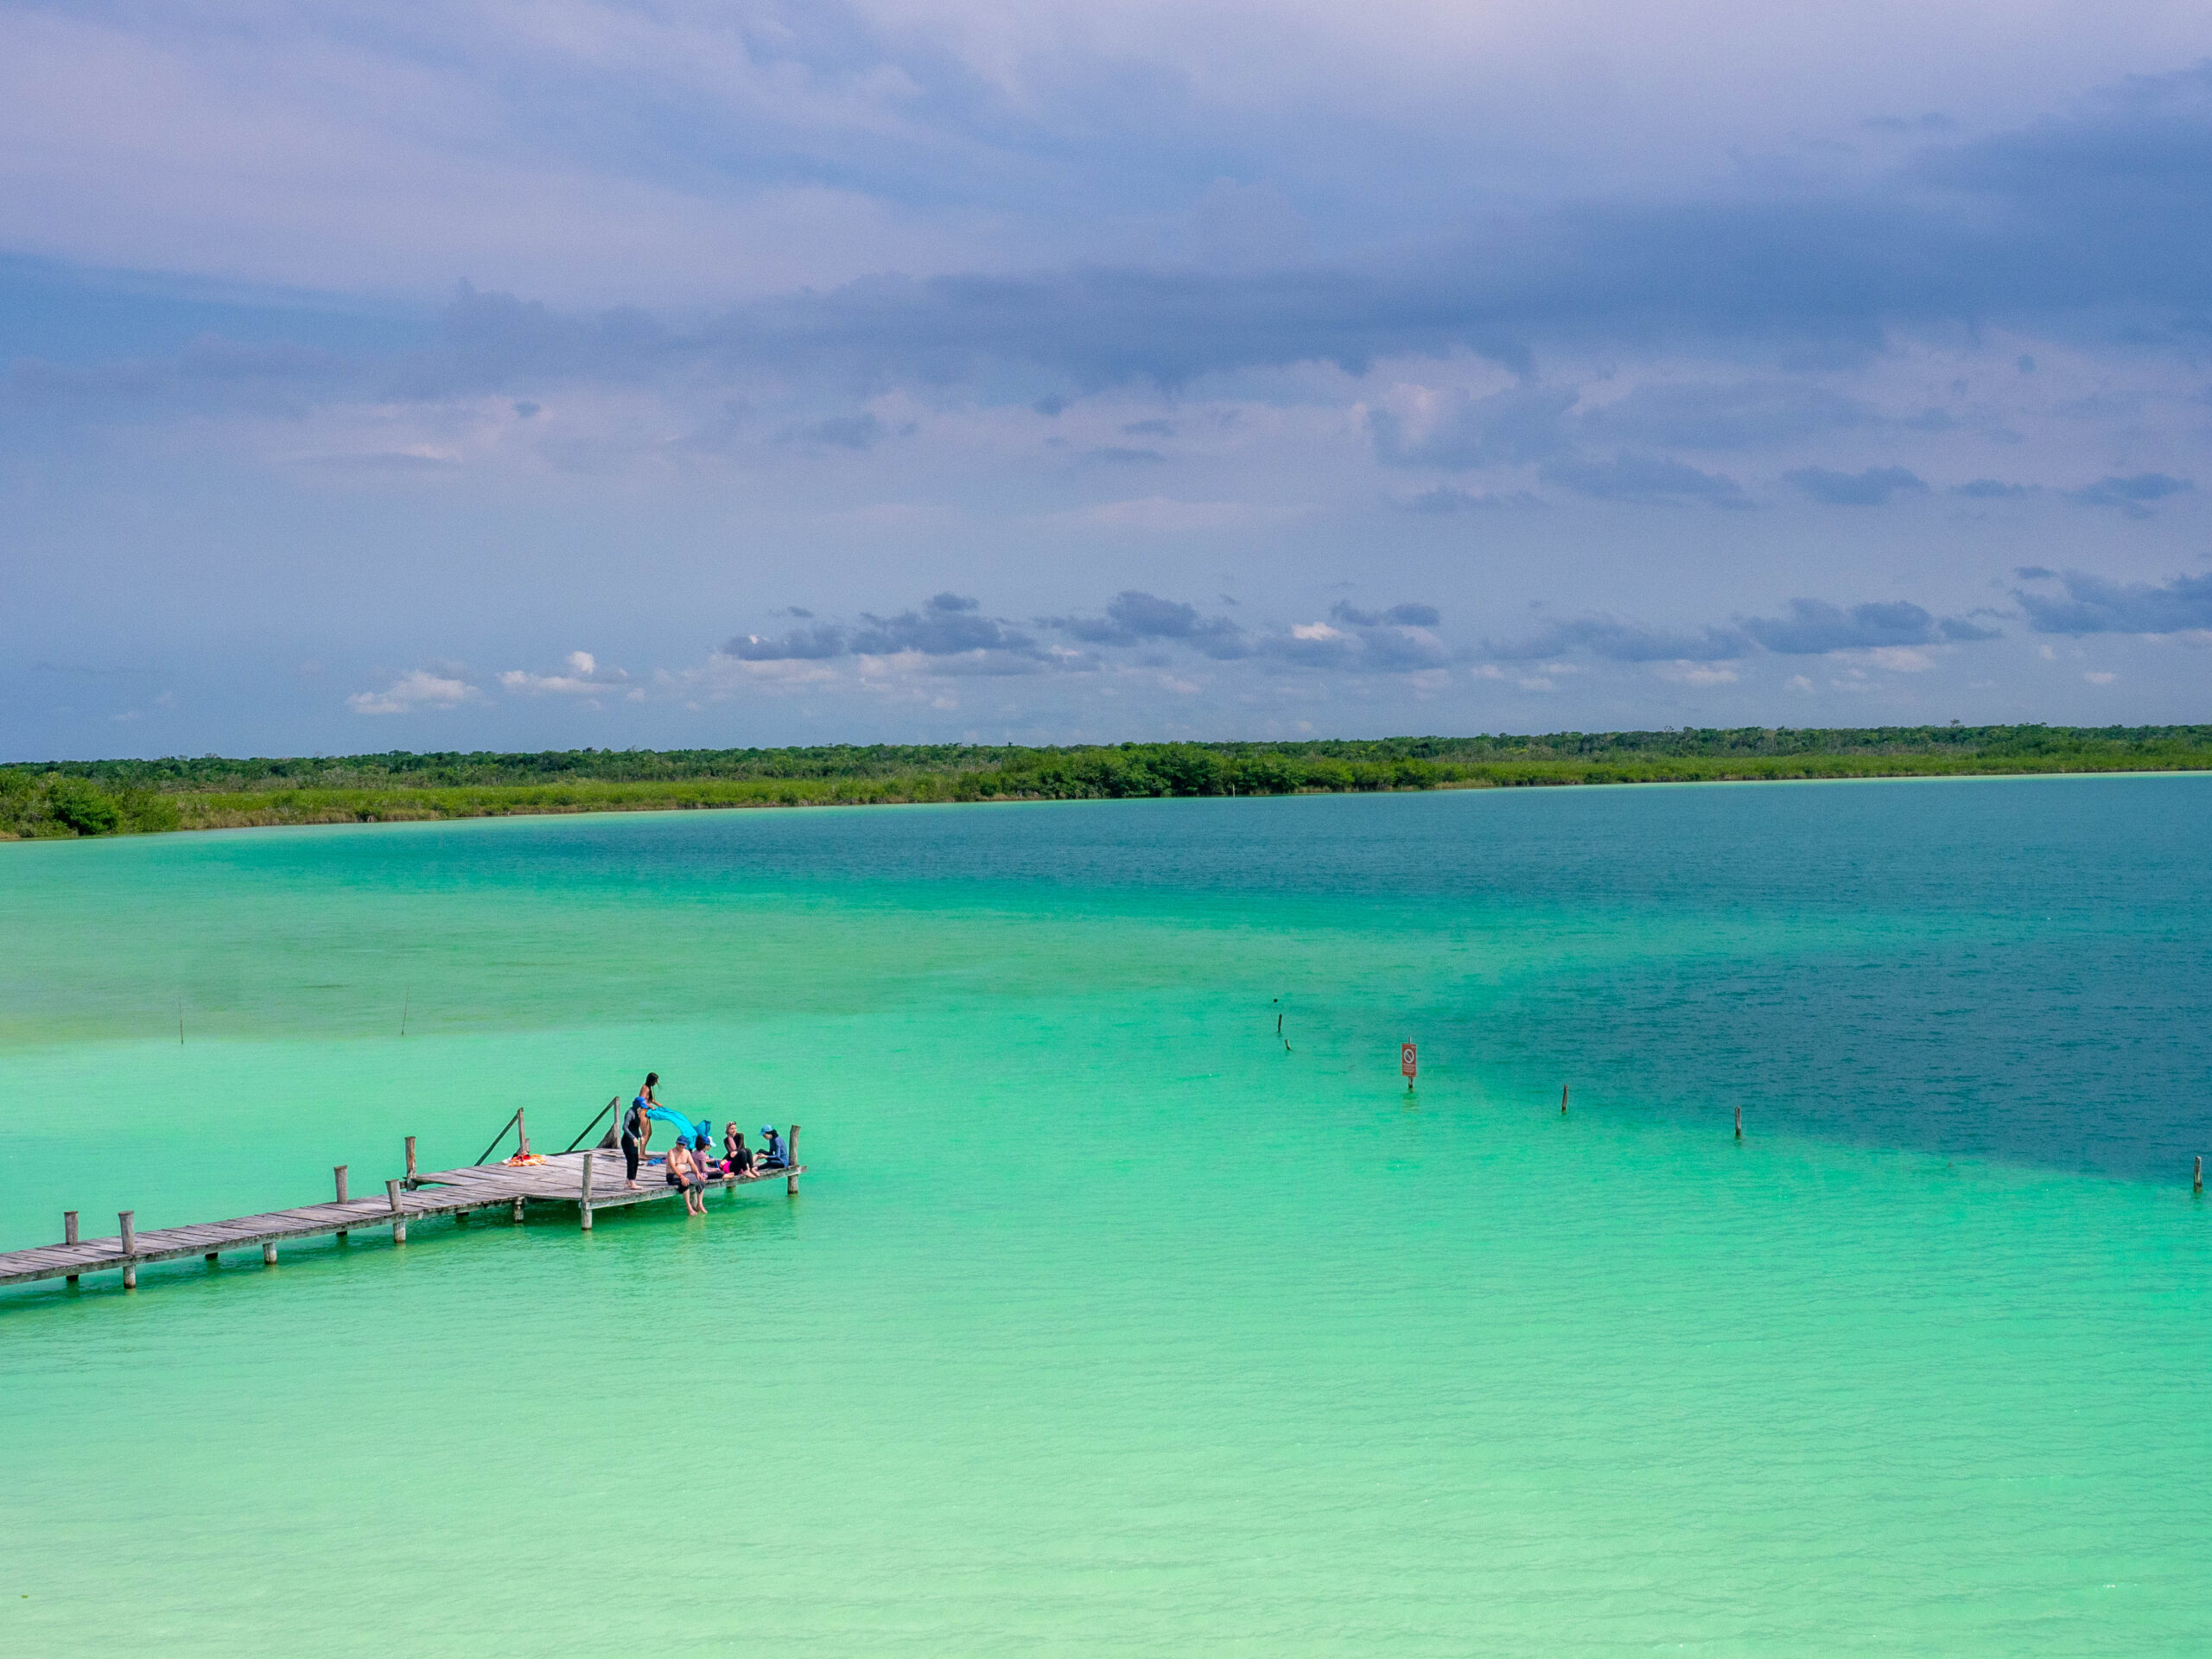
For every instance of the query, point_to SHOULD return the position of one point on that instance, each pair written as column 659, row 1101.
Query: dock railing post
column 583, row 1201
column 399, row 1216
column 790, row 1157
column 69, row 1234
column 521, row 1132
column 338, row 1170
column 128, row 1226
column 410, row 1160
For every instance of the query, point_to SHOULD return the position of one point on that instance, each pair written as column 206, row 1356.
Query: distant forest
column 95, row 798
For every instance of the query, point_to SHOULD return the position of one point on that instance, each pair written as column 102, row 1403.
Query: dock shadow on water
column 1103, row 1320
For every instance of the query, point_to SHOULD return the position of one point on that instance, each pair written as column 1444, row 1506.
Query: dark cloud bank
column 2099, row 222
column 2105, row 214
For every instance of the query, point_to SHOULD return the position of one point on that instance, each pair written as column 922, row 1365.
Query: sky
column 608, row 375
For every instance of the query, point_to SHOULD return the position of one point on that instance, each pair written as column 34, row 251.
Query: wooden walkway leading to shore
column 588, row 1180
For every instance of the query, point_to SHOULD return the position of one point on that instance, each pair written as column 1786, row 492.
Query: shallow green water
column 1108, row 1322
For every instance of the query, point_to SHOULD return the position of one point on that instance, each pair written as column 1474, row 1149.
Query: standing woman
column 638, row 1128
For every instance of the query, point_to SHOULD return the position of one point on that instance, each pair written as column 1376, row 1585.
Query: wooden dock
column 584, row 1181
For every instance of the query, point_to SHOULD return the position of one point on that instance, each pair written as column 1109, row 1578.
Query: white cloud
column 1900, row 659
column 1687, row 673
column 2100, row 677
column 1164, row 513
column 410, row 693
column 584, row 678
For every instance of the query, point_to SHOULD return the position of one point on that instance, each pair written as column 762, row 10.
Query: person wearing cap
column 637, row 1128
column 772, row 1158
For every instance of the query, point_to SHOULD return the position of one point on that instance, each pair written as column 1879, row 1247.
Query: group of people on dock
column 691, row 1162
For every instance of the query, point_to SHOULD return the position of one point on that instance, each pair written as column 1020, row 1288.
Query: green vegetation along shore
column 99, row 797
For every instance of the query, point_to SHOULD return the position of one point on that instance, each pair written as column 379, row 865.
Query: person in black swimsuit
column 737, row 1157
column 638, row 1128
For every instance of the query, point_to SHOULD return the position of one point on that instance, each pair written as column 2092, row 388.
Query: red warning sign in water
column 1406, row 1058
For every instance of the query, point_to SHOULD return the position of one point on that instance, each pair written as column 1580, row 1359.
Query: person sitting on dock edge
column 684, row 1172
column 771, row 1153
column 737, row 1157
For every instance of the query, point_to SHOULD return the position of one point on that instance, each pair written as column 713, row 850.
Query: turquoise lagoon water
column 1109, row 1322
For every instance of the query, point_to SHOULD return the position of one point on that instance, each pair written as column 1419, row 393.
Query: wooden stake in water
column 180, row 1022
column 127, row 1222
column 2200, row 1172
column 338, row 1170
column 1563, row 1088
column 1739, row 1122
column 403, row 1013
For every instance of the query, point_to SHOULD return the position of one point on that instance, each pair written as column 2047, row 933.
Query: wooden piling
column 69, row 1234
column 338, row 1170
column 399, row 1216
column 2199, row 1181
column 213, row 1256
column 517, row 1209
column 129, row 1229
column 1563, row 1088
column 1739, row 1122
column 268, row 1252
column 521, row 1132
column 410, row 1160
column 791, row 1156
column 583, row 1202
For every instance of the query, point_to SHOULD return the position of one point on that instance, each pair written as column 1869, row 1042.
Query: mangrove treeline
column 96, row 797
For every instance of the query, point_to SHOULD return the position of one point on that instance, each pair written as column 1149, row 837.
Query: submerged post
column 1739, row 1122
column 2199, row 1183
column 410, row 1160
column 583, row 1202
column 268, row 1252
column 69, row 1234
column 399, row 1216
column 791, row 1156
column 128, row 1226
column 517, row 1207
column 1563, row 1088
